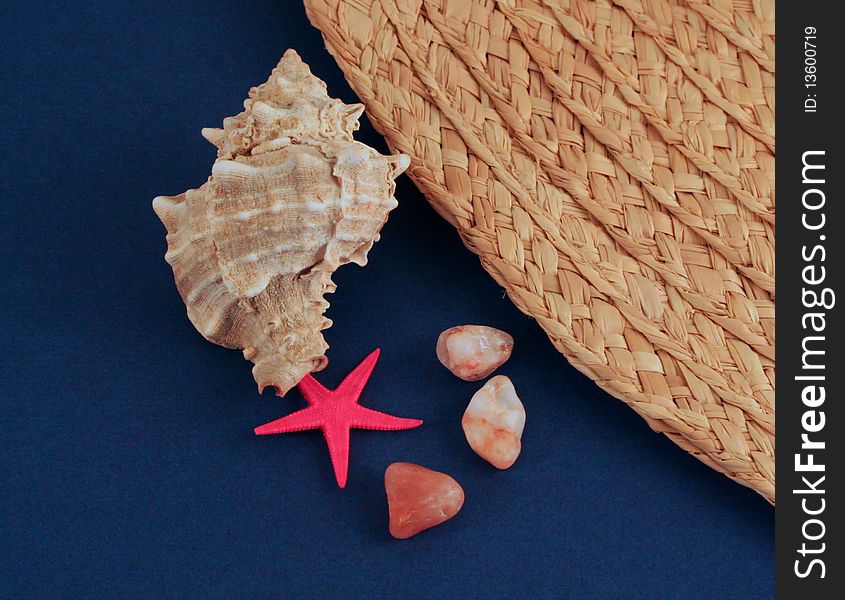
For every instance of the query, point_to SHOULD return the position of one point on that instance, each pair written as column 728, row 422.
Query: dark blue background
column 129, row 468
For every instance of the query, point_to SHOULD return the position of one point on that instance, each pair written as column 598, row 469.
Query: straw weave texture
column 612, row 164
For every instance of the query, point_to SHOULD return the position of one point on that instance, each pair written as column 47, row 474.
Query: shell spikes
column 291, row 198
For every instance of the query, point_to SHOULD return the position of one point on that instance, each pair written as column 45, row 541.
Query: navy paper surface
column 129, row 467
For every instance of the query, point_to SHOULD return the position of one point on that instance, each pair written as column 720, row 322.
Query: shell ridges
column 291, row 198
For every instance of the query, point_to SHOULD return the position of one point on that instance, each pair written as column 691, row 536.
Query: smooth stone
column 493, row 422
column 419, row 498
column 472, row 352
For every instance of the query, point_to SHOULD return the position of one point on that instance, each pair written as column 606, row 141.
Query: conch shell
column 291, row 198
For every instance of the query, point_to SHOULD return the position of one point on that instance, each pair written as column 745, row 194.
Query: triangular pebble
column 419, row 498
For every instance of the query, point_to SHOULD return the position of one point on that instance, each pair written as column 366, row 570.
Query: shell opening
column 283, row 375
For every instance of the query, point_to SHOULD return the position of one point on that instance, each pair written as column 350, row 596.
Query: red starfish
column 336, row 412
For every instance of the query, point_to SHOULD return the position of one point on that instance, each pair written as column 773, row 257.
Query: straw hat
column 612, row 165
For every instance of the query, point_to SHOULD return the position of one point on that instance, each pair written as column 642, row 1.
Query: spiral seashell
column 291, row 198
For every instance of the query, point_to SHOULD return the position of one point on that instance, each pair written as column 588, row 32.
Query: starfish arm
column 337, row 439
column 353, row 384
column 367, row 418
column 307, row 418
column 313, row 391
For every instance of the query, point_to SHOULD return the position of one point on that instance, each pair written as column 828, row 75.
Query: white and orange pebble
column 472, row 352
column 493, row 422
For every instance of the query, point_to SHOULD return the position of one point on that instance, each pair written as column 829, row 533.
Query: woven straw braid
column 612, row 165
